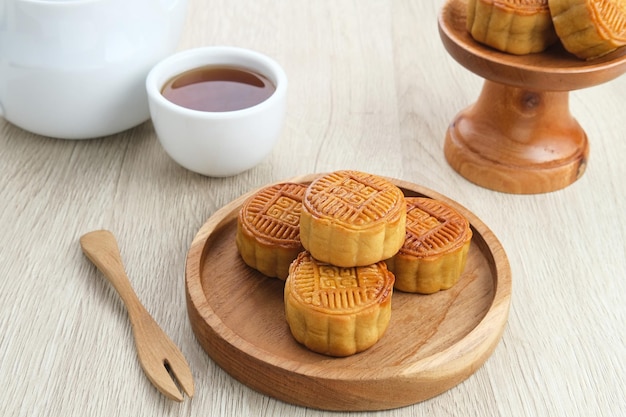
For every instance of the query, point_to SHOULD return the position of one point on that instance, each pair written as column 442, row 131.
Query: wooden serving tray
column 433, row 342
column 519, row 136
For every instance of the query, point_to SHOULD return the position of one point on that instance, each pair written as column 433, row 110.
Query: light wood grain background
column 371, row 88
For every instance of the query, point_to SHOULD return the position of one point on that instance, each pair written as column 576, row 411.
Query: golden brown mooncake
column 590, row 28
column 514, row 26
column 337, row 311
column 435, row 250
column 268, row 229
column 351, row 218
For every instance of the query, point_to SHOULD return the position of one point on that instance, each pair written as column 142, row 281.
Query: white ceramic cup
column 217, row 144
column 76, row 69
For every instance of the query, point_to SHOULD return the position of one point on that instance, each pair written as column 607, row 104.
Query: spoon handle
column 101, row 248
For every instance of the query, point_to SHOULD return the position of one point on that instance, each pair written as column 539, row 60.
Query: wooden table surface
column 371, row 88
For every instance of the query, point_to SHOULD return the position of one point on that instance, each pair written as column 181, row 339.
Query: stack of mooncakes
column 336, row 238
column 338, row 293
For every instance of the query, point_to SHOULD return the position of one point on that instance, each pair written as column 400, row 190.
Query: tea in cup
column 217, row 111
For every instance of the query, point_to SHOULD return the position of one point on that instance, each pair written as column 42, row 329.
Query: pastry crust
column 435, row 250
column 268, row 231
column 514, row 26
column 351, row 218
column 337, row 311
column 590, row 29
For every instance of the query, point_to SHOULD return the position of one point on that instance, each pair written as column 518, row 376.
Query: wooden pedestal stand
column 520, row 137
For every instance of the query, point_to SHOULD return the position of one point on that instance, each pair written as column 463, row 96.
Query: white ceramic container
column 76, row 69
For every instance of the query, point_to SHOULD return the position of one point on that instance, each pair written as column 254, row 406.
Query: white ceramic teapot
column 76, row 69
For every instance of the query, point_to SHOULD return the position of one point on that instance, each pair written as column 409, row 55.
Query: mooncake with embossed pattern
column 590, row 29
column 514, row 26
column 337, row 311
column 351, row 218
column 434, row 252
column 268, row 229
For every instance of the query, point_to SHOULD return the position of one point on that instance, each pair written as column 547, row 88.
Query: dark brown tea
column 218, row 89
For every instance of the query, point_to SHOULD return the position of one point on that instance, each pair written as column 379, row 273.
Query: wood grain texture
column 519, row 136
column 518, row 141
column 432, row 343
column 372, row 88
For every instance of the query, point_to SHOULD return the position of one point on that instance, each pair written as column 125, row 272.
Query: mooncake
column 337, row 311
column 514, row 26
column 351, row 218
column 435, row 250
column 590, row 28
column 268, row 229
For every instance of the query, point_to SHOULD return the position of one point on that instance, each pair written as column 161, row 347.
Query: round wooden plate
column 433, row 342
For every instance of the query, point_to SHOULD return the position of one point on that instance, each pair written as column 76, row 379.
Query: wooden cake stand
column 519, row 136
